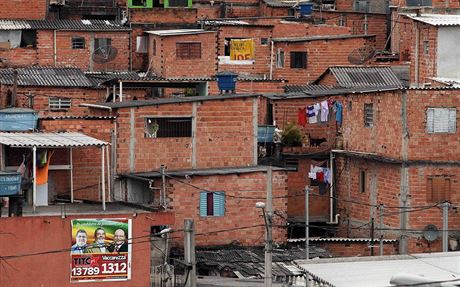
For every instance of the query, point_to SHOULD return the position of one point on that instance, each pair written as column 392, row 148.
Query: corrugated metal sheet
column 340, row 239
column 46, row 76
column 437, row 19
column 306, row 88
column 280, row 4
column 49, row 140
column 372, row 76
column 232, row 23
column 66, row 25
column 78, row 118
column 178, row 32
column 319, row 38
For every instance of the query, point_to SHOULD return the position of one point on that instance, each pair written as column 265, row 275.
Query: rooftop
column 437, row 19
column 319, row 38
column 178, row 32
column 65, row 25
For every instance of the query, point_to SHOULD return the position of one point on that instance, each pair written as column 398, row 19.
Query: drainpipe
column 332, row 219
column 54, row 47
column 271, row 61
column 417, row 56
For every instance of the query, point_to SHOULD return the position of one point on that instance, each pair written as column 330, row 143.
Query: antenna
column 104, row 54
column 361, row 55
column 430, row 232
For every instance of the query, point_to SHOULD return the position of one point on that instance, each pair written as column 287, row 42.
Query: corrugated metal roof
column 282, row 4
column 232, row 23
column 78, row 117
column 327, row 92
column 67, row 25
column 319, row 38
column 49, row 140
column 437, row 19
column 371, row 76
column 46, row 76
column 340, row 239
column 178, row 32
column 306, row 88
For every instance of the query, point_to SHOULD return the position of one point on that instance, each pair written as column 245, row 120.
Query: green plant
column 291, row 136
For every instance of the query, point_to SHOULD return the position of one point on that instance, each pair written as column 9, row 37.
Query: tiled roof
column 46, row 76
column 360, row 76
column 67, row 25
column 437, row 19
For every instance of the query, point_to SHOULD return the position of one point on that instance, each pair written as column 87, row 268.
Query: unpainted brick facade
column 22, row 9
column 439, row 4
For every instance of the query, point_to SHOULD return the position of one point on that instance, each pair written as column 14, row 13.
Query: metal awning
column 49, row 140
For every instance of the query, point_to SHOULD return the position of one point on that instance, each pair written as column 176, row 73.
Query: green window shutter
column 140, row 3
column 203, row 204
column 219, row 203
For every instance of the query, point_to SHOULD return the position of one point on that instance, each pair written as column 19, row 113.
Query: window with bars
column 78, row 43
column 361, row 5
column 438, row 189
column 212, row 204
column 190, row 50
column 368, row 115
column 59, row 104
column 299, row 60
column 441, row 120
column 168, row 127
column 280, row 59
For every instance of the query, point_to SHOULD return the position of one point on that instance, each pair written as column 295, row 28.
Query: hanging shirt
column 338, row 113
column 302, row 116
column 324, row 111
column 42, row 172
column 314, row 118
column 327, row 175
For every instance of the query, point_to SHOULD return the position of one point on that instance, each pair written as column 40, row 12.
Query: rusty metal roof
column 365, row 76
column 66, row 25
column 437, row 19
column 46, row 76
column 49, row 140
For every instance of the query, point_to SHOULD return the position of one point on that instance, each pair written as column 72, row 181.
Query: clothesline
column 319, row 112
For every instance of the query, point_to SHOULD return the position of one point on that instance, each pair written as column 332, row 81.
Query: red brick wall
column 299, row 29
column 320, row 55
column 267, row 11
column 352, row 249
column 344, row 5
column 53, row 269
column 19, row 57
column 162, row 15
column 251, row 87
column 261, row 63
column 376, row 24
column 22, row 9
column 166, row 64
column 224, row 124
column 239, row 212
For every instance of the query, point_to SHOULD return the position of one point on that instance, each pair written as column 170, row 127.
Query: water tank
column 18, row 119
column 306, row 9
column 10, row 183
column 226, row 81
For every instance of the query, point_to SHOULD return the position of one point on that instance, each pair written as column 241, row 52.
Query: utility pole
column 163, row 186
column 269, row 237
column 189, row 253
column 381, row 229
column 307, row 223
column 445, row 226
column 372, row 236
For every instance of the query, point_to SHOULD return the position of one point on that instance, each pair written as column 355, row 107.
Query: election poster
column 100, row 250
column 242, row 49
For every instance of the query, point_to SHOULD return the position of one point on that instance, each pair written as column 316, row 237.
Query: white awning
column 49, row 140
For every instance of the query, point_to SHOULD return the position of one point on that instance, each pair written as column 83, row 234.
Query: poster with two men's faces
column 101, row 250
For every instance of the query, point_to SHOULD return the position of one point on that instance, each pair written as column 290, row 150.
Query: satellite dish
column 431, row 232
column 104, row 54
column 361, row 55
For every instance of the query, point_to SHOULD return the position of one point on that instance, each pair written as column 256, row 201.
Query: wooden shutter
column 203, row 204
column 438, row 189
column 219, row 203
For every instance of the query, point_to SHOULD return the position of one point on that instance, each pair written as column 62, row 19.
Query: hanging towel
column 324, row 111
column 302, row 116
column 314, row 118
column 327, row 175
column 338, row 113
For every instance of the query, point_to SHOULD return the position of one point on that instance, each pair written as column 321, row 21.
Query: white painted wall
column 448, row 52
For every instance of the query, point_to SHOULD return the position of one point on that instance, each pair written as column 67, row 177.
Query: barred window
column 59, row 104
column 441, row 120
column 188, row 50
column 299, row 60
column 78, row 43
column 368, row 115
column 168, row 127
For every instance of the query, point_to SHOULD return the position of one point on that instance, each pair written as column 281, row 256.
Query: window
column 29, row 38
column 411, row 3
column 59, row 104
column 141, row 44
column 140, row 3
column 188, row 50
column 362, row 5
column 263, row 41
column 177, row 3
column 362, row 181
column 212, row 204
column 441, row 120
column 168, row 127
column 426, row 47
column 78, row 43
column 438, row 189
column 154, row 47
column 291, row 162
column 368, row 115
column 102, row 45
column 280, row 59
column 299, row 60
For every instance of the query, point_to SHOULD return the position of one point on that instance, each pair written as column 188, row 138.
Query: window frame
column 362, row 181
column 188, row 53
column 97, row 43
column 217, row 199
column 434, row 186
column 451, row 119
column 76, row 45
column 62, row 104
column 368, row 115
column 295, row 57
column 142, row 46
column 158, row 132
column 280, row 59
column 147, row 4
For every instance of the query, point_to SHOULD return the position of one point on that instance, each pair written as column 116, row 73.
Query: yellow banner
column 241, row 49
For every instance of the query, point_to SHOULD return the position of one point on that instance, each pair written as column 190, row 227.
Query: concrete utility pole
column 269, row 238
column 381, row 229
column 307, row 223
column 445, row 226
column 189, row 253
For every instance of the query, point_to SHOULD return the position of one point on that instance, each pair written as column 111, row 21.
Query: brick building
column 92, row 45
